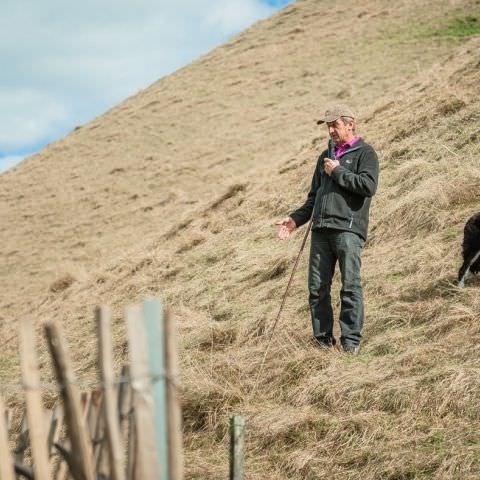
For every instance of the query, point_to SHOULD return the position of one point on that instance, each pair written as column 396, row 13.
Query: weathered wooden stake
column 132, row 456
column 82, row 464
column 174, row 411
column 146, row 466
column 22, row 440
column 97, row 429
column 8, row 418
column 237, row 446
column 33, row 397
column 56, row 419
column 62, row 467
column 112, row 427
column 7, row 471
column 124, row 401
column 154, row 327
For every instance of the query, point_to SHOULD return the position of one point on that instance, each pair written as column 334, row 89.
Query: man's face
column 339, row 131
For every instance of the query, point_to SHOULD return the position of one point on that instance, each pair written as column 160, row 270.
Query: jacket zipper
column 348, row 151
column 324, row 199
column 323, row 206
column 319, row 193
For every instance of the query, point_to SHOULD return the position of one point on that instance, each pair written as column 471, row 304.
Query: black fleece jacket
column 342, row 200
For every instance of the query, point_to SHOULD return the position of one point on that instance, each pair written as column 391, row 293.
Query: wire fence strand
column 136, row 383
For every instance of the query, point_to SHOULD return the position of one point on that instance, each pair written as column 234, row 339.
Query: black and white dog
column 471, row 249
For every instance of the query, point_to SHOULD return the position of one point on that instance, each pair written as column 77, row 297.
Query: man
column 343, row 183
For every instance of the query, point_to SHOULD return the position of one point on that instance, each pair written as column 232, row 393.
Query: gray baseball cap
column 335, row 112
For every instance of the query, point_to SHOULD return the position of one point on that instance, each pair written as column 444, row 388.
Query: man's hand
column 330, row 165
column 287, row 226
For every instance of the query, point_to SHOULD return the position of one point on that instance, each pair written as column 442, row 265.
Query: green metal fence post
column 154, row 326
column 237, row 446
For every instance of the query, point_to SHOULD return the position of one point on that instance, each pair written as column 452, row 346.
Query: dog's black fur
column 471, row 249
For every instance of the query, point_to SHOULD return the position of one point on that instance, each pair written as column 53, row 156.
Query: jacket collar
column 356, row 146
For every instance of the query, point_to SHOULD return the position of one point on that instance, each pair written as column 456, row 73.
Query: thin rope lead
column 331, row 154
column 281, row 307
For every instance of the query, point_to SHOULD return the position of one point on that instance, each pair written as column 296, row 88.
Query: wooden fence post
column 237, row 446
column 8, row 418
column 132, row 458
column 112, row 427
column 174, row 411
column 7, row 470
column 127, row 421
column 22, row 440
column 81, row 458
column 153, row 318
column 56, row 419
column 96, row 420
column 146, row 466
column 124, row 402
column 33, row 397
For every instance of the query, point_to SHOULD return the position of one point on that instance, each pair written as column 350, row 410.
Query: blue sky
column 277, row 3
column 64, row 63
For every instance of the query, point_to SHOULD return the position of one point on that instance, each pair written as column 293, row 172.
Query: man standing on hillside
column 343, row 183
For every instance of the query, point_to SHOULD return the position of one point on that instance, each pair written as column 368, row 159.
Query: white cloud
column 28, row 114
column 234, row 15
column 66, row 62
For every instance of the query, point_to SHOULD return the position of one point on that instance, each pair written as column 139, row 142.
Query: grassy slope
column 406, row 408
column 132, row 172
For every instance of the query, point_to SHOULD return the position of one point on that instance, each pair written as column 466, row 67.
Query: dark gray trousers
column 328, row 246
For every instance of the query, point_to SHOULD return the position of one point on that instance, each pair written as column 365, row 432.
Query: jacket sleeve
column 303, row 214
column 365, row 181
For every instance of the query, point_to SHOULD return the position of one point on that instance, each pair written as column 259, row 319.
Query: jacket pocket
column 338, row 206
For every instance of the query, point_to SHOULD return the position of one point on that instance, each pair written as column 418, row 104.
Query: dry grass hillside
column 130, row 174
column 174, row 193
